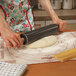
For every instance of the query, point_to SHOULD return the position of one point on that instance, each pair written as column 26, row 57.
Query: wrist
column 1, row 28
column 54, row 17
column 4, row 28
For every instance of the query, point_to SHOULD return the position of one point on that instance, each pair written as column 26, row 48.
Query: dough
column 42, row 43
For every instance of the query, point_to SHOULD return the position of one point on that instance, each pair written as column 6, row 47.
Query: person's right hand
column 11, row 38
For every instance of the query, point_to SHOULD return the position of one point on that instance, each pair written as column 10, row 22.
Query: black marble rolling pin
column 37, row 34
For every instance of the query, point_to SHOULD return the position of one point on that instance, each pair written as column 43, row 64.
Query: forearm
column 3, row 23
column 48, row 7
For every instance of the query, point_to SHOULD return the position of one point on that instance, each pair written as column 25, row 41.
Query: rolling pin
column 67, row 55
column 31, row 36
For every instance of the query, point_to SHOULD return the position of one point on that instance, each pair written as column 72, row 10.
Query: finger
column 60, row 26
column 64, row 25
column 18, row 43
column 8, row 43
column 19, row 38
column 13, row 43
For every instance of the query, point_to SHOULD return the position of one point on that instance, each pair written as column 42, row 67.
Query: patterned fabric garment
column 18, row 14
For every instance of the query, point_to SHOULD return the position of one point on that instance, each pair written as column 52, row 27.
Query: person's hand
column 61, row 23
column 11, row 38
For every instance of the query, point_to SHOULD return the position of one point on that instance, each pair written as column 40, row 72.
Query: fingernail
column 9, row 47
column 14, row 47
column 18, row 47
column 22, row 43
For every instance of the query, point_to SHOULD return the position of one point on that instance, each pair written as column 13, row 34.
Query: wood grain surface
column 41, row 15
column 52, row 69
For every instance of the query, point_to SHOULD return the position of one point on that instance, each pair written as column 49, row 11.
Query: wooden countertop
column 41, row 15
column 52, row 69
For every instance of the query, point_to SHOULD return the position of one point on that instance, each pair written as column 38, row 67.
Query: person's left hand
column 61, row 23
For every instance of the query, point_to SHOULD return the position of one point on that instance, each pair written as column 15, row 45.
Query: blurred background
column 65, row 9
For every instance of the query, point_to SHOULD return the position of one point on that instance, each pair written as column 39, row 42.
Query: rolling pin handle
column 23, row 38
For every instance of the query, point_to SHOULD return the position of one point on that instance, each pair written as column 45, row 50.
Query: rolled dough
column 42, row 43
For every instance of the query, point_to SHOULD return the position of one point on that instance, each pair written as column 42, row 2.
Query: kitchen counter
column 66, row 41
column 52, row 69
column 41, row 15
